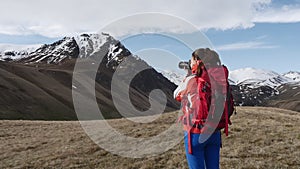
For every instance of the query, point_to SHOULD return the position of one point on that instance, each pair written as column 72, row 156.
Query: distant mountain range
column 36, row 82
column 259, row 77
column 267, row 88
column 257, row 87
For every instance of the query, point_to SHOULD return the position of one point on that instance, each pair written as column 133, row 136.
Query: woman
column 195, row 97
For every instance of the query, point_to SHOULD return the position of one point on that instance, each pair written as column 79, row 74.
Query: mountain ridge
column 253, row 89
column 251, row 86
column 48, row 72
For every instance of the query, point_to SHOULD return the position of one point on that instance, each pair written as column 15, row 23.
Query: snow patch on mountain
column 254, row 78
column 275, row 82
column 293, row 75
column 113, row 52
column 173, row 76
column 84, row 45
column 56, row 52
column 241, row 75
column 91, row 43
column 16, row 52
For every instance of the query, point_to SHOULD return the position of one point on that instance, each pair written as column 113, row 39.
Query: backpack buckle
column 198, row 125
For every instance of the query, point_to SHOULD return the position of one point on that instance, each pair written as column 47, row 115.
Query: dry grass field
column 259, row 138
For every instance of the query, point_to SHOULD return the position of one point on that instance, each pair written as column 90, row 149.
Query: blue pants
column 206, row 154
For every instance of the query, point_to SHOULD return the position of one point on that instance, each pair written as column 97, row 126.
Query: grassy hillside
column 259, row 138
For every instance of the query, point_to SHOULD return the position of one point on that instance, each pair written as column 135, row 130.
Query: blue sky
column 26, row 39
column 272, row 46
column 250, row 33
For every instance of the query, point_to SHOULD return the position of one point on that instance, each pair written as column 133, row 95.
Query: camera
column 185, row 65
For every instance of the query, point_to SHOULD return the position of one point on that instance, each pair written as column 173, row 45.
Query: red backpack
column 222, row 98
column 199, row 99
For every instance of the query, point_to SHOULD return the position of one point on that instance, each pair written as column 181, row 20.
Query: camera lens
column 184, row 65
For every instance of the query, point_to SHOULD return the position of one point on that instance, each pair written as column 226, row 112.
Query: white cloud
column 285, row 14
column 59, row 18
column 245, row 45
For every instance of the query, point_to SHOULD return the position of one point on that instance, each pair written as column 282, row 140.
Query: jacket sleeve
column 178, row 91
column 177, row 94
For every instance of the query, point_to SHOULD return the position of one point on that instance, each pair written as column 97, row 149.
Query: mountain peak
column 243, row 74
column 293, row 75
column 55, row 52
column 89, row 44
column 10, row 52
column 82, row 46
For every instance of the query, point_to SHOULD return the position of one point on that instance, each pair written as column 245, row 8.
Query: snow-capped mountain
column 173, row 76
column 82, row 46
column 275, row 82
column 252, row 74
column 89, row 44
column 54, row 53
column 272, row 82
column 41, row 81
column 254, row 87
column 258, row 77
column 250, row 86
column 251, row 77
column 262, row 87
column 293, row 75
column 10, row 52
